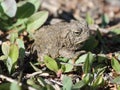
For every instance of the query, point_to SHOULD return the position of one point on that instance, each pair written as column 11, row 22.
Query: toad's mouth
column 78, row 44
column 80, row 40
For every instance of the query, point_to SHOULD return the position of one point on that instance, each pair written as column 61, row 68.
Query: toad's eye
column 77, row 33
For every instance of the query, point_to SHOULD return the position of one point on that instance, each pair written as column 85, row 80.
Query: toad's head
column 79, row 34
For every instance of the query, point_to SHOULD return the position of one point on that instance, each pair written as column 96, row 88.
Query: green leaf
column 5, row 48
column 89, row 19
column 9, row 7
column 20, row 43
column 15, row 86
column 5, row 86
column 14, row 53
column 29, row 6
column 88, row 63
column 115, row 31
column 105, row 20
column 99, row 36
column 25, row 10
column 36, row 20
column 19, row 22
column 19, row 25
column 101, row 58
column 87, row 78
column 98, row 81
column 1, row 1
column 3, row 57
column 63, row 59
column 41, row 81
column 21, row 46
column 67, row 83
column 48, row 87
column 117, row 80
column 9, row 64
column 68, row 67
column 13, row 37
column 115, row 65
column 4, row 25
column 35, row 68
column 36, row 3
column 79, row 85
column 100, row 69
column 118, row 88
column 2, row 14
column 51, row 63
column 32, row 82
column 62, row 68
column 81, row 59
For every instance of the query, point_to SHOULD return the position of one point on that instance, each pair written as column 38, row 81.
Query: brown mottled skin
column 61, row 39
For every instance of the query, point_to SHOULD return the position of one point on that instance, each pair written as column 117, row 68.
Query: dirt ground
column 69, row 9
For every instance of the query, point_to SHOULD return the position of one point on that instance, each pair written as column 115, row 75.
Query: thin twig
column 71, row 64
column 102, row 30
column 33, row 74
column 56, row 82
column 9, row 79
column 96, row 27
column 40, row 73
column 12, row 80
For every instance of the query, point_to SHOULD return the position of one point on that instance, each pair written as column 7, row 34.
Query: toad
column 62, row 39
